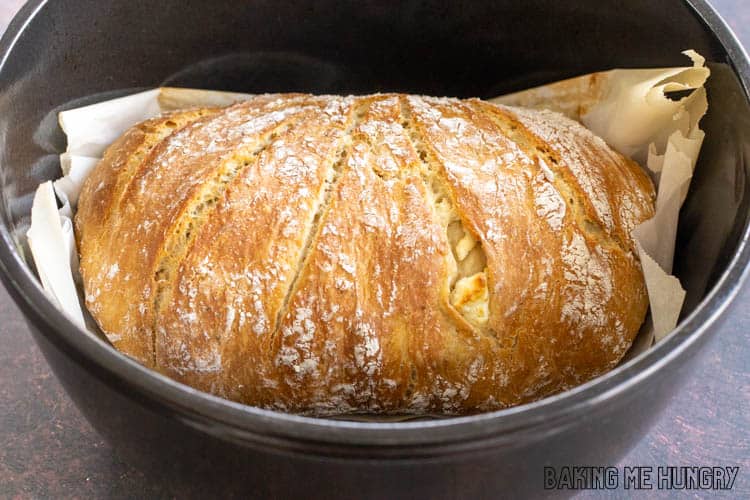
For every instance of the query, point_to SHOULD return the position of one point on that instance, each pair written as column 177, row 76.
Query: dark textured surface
column 48, row 450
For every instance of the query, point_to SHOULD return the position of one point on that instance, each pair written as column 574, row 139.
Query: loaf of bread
column 385, row 254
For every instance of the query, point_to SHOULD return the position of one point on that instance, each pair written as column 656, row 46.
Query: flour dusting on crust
column 378, row 254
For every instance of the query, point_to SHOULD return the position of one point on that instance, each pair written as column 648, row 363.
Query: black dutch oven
column 60, row 54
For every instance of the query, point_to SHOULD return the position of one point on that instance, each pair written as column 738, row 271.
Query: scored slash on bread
column 375, row 254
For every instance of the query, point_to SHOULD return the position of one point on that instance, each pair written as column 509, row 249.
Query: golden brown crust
column 380, row 254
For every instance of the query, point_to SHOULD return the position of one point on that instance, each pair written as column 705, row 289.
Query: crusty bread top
column 386, row 253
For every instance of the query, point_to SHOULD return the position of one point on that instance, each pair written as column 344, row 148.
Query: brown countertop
column 47, row 449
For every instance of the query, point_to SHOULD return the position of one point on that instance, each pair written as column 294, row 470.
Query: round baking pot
column 57, row 53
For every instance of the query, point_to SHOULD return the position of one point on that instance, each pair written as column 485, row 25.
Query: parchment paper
column 627, row 108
